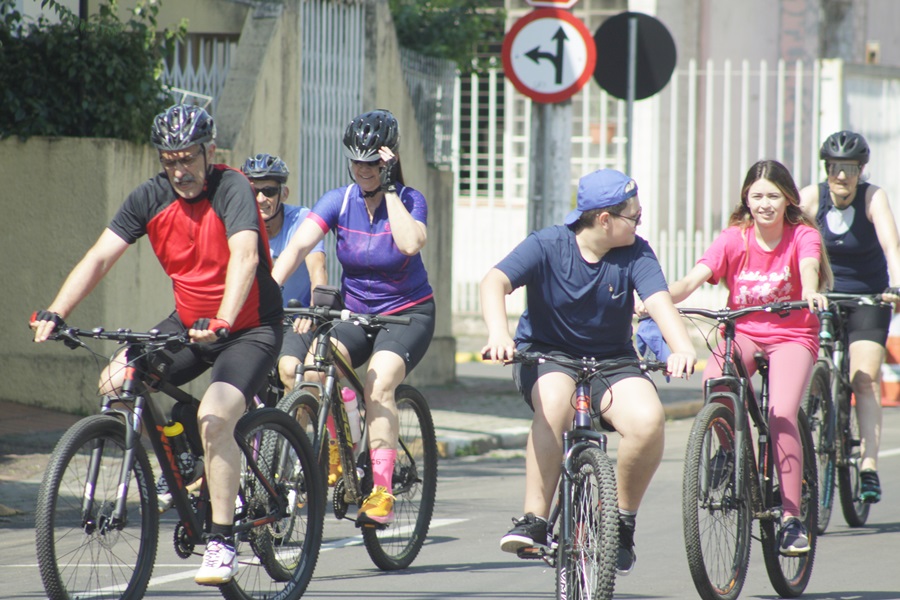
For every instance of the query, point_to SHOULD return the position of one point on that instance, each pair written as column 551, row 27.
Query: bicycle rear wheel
column 414, row 483
column 586, row 568
column 856, row 512
column 716, row 513
column 819, row 410
column 86, row 555
column 790, row 574
column 276, row 556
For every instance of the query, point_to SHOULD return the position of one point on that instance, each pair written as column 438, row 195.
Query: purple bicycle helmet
column 266, row 166
column 182, row 126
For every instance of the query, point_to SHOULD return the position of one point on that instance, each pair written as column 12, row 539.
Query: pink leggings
column 790, row 365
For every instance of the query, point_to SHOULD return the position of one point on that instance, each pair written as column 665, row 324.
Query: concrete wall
column 60, row 193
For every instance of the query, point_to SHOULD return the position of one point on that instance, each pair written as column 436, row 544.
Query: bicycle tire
column 586, row 565
column 856, row 512
column 277, row 560
column 414, row 483
column 100, row 563
column 716, row 515
column 790, row 575
column 304, row 408
column 819, row 409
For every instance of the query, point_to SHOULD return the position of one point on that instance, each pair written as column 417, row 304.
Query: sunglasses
column 849, row 169
column 366, row 163
column 268, row 191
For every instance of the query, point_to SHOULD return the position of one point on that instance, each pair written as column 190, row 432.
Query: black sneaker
column 869, row 486
column 526, row 532
column 627, row 557
column 794, row 538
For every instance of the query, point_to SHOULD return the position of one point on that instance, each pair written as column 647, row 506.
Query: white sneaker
column 163, row 496
column 219, row 564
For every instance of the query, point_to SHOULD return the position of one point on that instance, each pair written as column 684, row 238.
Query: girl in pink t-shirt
column 770, row 253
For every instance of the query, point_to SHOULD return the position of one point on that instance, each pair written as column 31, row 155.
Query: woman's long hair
column 776, row 173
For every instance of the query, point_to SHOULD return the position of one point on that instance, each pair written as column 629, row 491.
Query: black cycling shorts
column 867, row 323
column 526, row 376
column 410, row 342
column 243, row 359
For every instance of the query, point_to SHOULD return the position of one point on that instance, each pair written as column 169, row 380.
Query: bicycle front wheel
column 819, row 409
column 790, row 574
column 586, row 568
column 279, row 529
column 304, row 408
column 82, row 551
column 856, row 512
column 414, row 483
column 715, row 509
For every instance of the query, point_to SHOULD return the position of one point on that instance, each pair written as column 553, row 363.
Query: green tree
column 98, row 77
column 450, row 29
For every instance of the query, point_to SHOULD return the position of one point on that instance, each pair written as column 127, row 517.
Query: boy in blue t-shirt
column 580, row 281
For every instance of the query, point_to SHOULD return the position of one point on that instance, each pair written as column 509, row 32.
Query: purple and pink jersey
column 377, row 278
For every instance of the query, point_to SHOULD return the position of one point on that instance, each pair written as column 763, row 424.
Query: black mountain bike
column 726, row 485
column 394, row 546
column 832, row 417
column 97, row 521
column 583, row 526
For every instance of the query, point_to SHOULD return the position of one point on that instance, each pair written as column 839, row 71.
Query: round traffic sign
column 548, row 55
column 655, row 55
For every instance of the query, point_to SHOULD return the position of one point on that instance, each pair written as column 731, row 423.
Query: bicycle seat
column 762, row 362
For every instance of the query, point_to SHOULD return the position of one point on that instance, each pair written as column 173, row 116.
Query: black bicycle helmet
column 368, row 132
column 845, row 145
column 266, row 166
column 182, row 126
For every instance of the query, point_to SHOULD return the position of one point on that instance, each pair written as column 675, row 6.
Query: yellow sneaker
column 377, row 509
column 335, row 470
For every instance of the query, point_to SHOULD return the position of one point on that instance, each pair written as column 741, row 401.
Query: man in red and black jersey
column 206, row 231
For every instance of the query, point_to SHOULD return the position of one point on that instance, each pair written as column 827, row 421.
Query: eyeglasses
column 269, row 191
column 187, row 162
column 635, row 219
column 850, row 169
column 366, row 163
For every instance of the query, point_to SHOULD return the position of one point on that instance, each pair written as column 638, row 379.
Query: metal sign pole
column 630, row 92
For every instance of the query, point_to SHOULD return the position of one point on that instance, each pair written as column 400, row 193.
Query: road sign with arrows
column 548, row 55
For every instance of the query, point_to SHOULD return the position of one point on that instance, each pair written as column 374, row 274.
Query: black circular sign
column 655, row 55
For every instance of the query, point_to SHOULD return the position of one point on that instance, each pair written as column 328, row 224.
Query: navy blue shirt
column 578, row 307
column 857, row 258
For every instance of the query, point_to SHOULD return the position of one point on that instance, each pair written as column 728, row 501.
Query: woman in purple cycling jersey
column 380, row 226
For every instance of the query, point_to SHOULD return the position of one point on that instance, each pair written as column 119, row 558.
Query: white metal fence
column 200, row 66
column 693, row 144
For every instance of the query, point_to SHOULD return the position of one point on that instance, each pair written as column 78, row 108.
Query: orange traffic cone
column 890, row 370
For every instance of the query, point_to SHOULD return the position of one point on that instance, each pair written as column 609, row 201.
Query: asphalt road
column 477, row 496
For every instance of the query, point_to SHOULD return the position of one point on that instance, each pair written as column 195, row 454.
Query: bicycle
column 394, row 546
column 97, row 521
column 726, row 485
column 584, row 522
column 831, row 415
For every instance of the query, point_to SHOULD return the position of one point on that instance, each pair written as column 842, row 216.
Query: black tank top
column 856, row 256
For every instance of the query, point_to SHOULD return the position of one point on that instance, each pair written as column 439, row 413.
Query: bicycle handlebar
column 586, row 364
column 170, row 341
column 323, row 313
column 727, row 314
column 861, row 299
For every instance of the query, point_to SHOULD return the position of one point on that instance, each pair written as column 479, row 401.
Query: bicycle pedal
column 532, row 552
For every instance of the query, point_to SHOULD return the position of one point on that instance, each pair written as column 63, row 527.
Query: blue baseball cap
column 606, row 187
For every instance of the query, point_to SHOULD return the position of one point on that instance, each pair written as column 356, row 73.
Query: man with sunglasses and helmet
column 205, row 229
column 862, row 242
column 268, row 175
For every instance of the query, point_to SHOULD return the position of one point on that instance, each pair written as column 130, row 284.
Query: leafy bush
column 450, row 29
column 98, row 77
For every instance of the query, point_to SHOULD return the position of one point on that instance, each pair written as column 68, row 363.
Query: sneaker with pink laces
column 219, row 563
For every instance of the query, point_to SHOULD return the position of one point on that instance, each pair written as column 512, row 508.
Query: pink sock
column 383, row 467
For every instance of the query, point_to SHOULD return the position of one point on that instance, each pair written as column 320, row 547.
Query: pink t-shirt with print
column 756, row 276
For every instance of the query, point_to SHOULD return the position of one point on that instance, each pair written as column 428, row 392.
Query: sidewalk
column 480, row 413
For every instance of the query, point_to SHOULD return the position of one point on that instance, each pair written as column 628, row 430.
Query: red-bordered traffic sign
column 552, row 3
column 548, row 55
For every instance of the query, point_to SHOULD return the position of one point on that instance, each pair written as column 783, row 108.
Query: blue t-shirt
column 580, row 308
column 377, row 278
column 297, row 285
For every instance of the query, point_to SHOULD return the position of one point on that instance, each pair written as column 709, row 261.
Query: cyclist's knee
column 287, row 370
